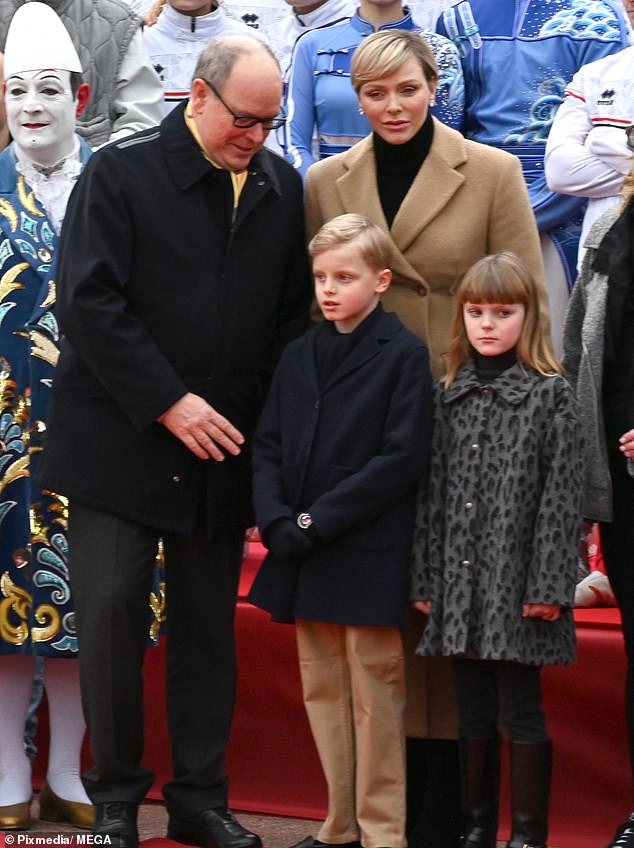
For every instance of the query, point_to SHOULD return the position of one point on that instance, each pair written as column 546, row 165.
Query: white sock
column 67, row 729
column 16, row 680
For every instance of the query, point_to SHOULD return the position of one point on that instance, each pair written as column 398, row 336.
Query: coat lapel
column 357, row 185
column 433, row 188
column 430, row 192
column 366, row 349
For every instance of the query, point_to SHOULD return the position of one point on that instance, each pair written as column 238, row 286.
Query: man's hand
column 201, row 429
column 422, row 606
column 549, row 612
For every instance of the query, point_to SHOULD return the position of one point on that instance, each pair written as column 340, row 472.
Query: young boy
column 341, row 448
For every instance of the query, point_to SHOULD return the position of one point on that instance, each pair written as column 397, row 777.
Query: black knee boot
column 480, row 769
column 531, row 767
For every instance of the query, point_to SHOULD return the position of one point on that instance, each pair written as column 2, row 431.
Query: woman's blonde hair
column 503, row 278
column 383, row 53
column 375, row 246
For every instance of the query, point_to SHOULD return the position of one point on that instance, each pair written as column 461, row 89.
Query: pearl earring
column 361, row 112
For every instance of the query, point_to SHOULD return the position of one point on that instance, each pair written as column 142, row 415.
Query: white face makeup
column 41, row 114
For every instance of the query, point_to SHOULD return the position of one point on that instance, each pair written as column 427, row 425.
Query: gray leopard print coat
column 499, row 525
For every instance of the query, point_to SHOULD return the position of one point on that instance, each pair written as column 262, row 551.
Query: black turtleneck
column 489, row 367
column 398, row 164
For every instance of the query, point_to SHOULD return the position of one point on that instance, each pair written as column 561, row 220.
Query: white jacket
column 175, row 42
column 586, row 153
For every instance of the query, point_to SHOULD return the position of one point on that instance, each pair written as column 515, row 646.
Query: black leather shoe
column 212, row 829
column 311, row 842
column 117, row 820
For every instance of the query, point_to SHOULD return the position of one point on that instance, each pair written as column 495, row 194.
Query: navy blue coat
column 160, row 294
column 352, row 453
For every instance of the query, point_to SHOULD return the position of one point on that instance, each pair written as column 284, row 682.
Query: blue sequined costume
column 517, row 59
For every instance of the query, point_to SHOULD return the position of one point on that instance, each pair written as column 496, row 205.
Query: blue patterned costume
column 36, row 613
column 517, row 59
column 320, row 93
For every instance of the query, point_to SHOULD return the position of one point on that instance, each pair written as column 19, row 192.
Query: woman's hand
column 627, row 444
column 549, row 612
column 154, row 12
column 422, row 606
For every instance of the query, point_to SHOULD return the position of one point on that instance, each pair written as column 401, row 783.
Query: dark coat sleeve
column 92, row 298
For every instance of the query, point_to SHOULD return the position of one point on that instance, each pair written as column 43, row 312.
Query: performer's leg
column 377, row 673
column 111, row 562
column 328, row 702
column 16, row 674
column 202, row 578
column 67, row 729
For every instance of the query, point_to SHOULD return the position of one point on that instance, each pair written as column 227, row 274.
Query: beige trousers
column 353, row 680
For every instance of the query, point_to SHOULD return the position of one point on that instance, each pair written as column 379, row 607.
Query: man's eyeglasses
column 243, row 122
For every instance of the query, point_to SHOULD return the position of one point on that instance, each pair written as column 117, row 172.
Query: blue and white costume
column 321, row 95
column 517, row 59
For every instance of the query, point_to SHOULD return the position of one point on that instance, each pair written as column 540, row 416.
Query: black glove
column 285, row 539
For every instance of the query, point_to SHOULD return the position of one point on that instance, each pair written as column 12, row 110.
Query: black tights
column 496, row 693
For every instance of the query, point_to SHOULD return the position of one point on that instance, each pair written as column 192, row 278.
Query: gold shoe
column 16, row 816
column 56, row 809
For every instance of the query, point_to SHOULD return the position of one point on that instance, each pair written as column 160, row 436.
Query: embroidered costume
column 36, row 615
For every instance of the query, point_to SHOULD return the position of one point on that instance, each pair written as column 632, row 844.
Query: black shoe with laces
column 624, row 836
column 118, row 821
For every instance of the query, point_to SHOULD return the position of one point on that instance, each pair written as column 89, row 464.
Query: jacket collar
column 366, row 28
column 187, row 163
column 511, row 386
column 385, row 328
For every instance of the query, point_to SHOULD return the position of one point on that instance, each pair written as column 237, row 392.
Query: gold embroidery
column 49, row 300
column 60, row 507
column 7, row 281
column 27, row 199
column 157, row 604
column 19, row 602
column 44, row 348
column 17, row 469
column 8, row 211
column 49, row 618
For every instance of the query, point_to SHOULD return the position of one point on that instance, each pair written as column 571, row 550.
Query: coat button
column 474, row 448
column 421, row 291
column 466, row 563
column 176, row 479
column 487, row 390
column 468, row 505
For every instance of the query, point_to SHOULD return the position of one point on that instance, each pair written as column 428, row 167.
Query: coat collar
column 511, row 386
column 385, row 328
column 187, row 163
column 436, row 183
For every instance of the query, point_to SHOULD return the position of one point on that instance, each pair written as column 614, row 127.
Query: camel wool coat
column 467, row 200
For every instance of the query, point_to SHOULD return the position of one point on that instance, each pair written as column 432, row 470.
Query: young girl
column 496, row 541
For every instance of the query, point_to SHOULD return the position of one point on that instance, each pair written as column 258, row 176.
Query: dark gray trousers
column 111, row 563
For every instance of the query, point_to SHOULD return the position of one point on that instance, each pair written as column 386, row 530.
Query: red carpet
column 273, row 764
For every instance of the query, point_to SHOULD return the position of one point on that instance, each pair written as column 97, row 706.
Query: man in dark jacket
column 182, row 274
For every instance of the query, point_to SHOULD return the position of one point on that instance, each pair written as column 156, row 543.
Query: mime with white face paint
column 43, row 95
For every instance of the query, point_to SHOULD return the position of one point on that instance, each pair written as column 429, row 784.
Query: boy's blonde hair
column 503, row 278
column 383, row 53
column 374, row 244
